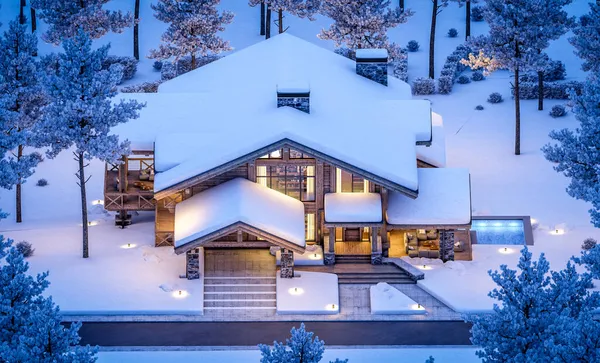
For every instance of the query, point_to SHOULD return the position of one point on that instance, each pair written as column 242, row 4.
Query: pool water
column 499, row 231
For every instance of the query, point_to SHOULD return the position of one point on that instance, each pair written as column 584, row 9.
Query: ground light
column 180, row 294
column 417, row 307
column 506, row 250
column 128, row 245
column 424, row 267
column 557, row 231
column 91, row 223
column 314, row 256
column 98, row 202
column 296, row 291
column 331, row 307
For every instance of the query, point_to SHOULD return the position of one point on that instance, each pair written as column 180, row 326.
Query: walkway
column 253, row 333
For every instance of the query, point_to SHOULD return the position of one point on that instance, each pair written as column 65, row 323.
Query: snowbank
column 386, row 299
column 308, row 293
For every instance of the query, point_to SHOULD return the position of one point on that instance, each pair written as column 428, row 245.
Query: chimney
column 373, row 64
column 296, row 95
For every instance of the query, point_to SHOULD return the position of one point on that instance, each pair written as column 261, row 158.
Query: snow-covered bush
column 146, row 87
column 452, row 33
column 449, row 70
column 423, row 86
column 129, row 65
column 42, row 182
column 398, row 60
column 346, row 52
column 157, row 65
column 445, row 84
column 413, row 46
column 477, row 13
column 25, row 248
column 479, row 108
column 552, row 90
column 558, row 111
column 171, row 70
column 462, row 79
column 554, row 71
column 495, row 98
column 477, row 76
column 589, row 243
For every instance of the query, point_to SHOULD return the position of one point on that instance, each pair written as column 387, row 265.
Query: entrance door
column 352, row 234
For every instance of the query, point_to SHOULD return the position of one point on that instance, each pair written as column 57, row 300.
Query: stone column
column 385, row 243
column 287, row 264
column 447, row 245
column 329, row 254
column 375, row 247
column 192, row 264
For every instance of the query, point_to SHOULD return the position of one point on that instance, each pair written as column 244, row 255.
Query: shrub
column 479, row 108
column 413, row 46
column 463, row 79
column 129, row 65
column 452, row 33
column 477, row 13
column 423, row 86
column 184, row 65
column 25, row 248
column 495, row 98
column 449, row 70
column 42, row 182
column 146, row 87
column 157, row 65
column 445, row 84
column 555, row 71
column 477, row 76
column 552, row 90
column 558, row 111
column 589, row 243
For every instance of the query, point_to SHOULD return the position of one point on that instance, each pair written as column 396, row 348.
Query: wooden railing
column 128, row 201
column 164, row 239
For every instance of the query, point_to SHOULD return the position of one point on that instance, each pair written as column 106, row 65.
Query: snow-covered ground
column 420, row 354
column 308, row 293
column 116, row 279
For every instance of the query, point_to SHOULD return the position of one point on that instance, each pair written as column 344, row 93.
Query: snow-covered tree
column 193, row 28
column 82, row 111
column 301, row 347
column 136, row 30
column 66, row 17
column 518, row 30
column 362, row 23
column 300, row 8
column 437, row 7
column 30, row 323
column 587, row 39
column 543, row 317
column 21, row 100
column 576, row 152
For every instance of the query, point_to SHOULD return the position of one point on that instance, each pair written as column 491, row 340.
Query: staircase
column 354, row 259
column 237, row 293
column 391, row 277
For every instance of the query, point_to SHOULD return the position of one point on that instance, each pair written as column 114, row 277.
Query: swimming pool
column 499, row 231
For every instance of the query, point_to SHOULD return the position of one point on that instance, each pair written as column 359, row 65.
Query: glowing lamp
column 296, row 291
column 180, row 294
column 417, row 307
column 128, row 245
column 331, row 307
column 98, row 202
column 506, row 250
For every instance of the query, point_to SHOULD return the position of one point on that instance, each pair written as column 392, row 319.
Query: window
column 309, row 226
column 277, row 154
column 296, row 181
column 295, row 154
column 349, row 183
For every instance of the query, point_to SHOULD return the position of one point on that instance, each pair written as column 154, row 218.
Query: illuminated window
column 310, row 226
column 349, row 183
column 277, row 154
column 296, row 181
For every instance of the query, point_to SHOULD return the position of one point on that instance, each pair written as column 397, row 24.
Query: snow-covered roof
column 352, row 207
column 239, row 200
column 435, row 154
column 444, row 199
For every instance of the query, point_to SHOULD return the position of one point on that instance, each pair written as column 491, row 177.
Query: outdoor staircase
column 373, row 274
column 354, row 259
column 237, row 293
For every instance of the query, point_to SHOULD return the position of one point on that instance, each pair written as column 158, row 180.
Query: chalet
column 290, row 145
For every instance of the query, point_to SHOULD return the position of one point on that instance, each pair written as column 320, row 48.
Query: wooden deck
column 353, row 248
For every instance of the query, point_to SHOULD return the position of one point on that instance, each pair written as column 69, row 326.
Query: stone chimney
column 296, row 95
column 373, row 64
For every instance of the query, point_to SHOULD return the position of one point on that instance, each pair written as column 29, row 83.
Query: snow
column 444, row 198
column 313, row 256
column 291, row 86
column 352, row 207
column 364, row 355
column 371, row 54
column 386, row 299
column 435, row 154
column 308, row 293
column 239, row 200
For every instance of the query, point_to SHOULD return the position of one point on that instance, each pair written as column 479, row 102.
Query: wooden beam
column 353, row 224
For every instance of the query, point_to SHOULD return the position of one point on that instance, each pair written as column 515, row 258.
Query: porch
column 426, row 243
column 129, row 185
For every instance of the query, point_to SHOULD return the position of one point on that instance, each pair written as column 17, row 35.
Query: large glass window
column 349, row 183
column 277, row 154
column 295, row 154
column 296, row 181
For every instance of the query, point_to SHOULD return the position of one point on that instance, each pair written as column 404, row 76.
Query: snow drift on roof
column 444, row 198
column 239, row 200
column 435, row 154
column 353, row 207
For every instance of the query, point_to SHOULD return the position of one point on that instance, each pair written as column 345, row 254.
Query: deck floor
column 353, row 248
column 349, row 268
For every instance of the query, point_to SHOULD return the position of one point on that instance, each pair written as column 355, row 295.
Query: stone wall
column 375, row 71
column 287, row 264
column 299, row 103
column 447, row 245
column 192, row 264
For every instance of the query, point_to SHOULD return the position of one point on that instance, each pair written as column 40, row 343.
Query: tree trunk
column 21, row 14
column 262, row 18
column 84, row 217
column 136, row 30
column 468, row 24
column 268, row 23
column 432, row 40
column 280, row 20
column 540, row 90
column 401, row 5
column 33, row 20
column 19, row 211
column 193, row 61
column 517, row 114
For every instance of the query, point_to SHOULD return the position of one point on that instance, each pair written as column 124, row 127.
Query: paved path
column 252, row 333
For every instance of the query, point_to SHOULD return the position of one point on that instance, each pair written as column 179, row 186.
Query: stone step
column 239, row 288
column 251, row 281
column 376, row 281
column 240, row 308
column 235, row 296
column 240, row 303
column 354, row 259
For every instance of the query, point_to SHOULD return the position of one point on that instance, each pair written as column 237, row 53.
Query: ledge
column 414, row 273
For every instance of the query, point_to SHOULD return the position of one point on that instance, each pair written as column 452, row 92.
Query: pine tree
column 193, row 28
column 82, row 111
column 21, row 100
column 300, row 8
column 543, row 316
column 576, row 152
column 438, row 6
column 587, row 39
column 362, row 23
column 30, row 324
column 66, row 17
column 301, row 347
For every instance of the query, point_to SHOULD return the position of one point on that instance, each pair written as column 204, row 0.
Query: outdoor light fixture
column 128, row 245
column 92, row 223
column 314, row 256
column 331, row 307
column 506, row 250
column 417, row 307
column 558, row 231
column 424, row 267
column 296, row 291
column 180, row 294
column 97, row 202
